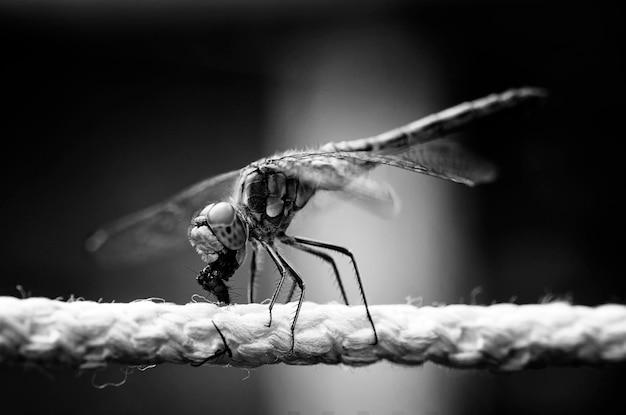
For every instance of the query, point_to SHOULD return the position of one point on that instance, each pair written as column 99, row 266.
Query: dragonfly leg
column 282, row 271
column 219, row 352
column 346, row 252
column 287, row 240
column 285, row 268
column 253, row 268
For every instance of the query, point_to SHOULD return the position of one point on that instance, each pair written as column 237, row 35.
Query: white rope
column 501, row 337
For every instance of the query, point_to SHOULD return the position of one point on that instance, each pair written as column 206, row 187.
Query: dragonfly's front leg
column 254, row 266
column 285, row 268
column 282, row 271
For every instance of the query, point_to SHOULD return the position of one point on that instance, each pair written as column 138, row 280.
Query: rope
column 500, row 337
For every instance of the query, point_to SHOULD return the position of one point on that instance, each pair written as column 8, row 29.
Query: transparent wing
column 375, row 196
column 442, row 159
column 345, row 172
column 420, row 146
column 162, row 227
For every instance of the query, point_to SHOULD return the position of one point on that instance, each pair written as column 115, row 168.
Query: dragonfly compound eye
column 227, row 225
column 218, row 230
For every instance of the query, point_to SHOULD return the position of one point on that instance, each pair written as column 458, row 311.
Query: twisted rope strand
column 500, row 337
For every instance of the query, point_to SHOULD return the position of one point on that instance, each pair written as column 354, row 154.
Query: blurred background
column 112, row 106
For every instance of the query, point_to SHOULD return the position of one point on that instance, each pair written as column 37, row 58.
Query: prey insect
column 262, row 199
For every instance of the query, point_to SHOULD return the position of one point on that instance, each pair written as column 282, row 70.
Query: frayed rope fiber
column 500, row 337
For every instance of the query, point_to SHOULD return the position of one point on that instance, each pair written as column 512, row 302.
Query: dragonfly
column 254, row 206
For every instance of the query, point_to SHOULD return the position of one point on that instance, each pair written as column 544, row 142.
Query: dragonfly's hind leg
column 287, row 240
column 285, row 268
column 346, row 252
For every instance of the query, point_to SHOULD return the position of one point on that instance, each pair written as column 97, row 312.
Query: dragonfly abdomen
column 441, row 124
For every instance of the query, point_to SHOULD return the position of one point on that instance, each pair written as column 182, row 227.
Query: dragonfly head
column 219, row 234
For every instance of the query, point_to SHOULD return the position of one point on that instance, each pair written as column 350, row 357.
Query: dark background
column 110, row 108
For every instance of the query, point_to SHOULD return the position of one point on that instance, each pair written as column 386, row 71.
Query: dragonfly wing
column 448, row 160
column 346, row 171
column 443, row 159
column 419, row 146
column 375, row 196
column 147, row 234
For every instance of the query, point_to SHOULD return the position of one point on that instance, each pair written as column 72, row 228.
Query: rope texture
column 500, row 337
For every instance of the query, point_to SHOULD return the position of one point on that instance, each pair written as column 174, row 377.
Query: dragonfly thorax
column 269, row 198
column 219, row 235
